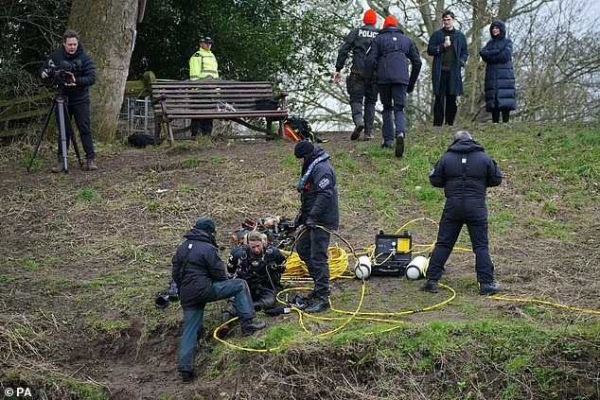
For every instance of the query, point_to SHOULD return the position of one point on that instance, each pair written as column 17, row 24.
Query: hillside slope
column 84, row 254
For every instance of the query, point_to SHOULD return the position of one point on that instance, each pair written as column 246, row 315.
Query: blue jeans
column 393, row 97
column 193, row 316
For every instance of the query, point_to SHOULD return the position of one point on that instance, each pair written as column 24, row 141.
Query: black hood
column 317, row 152
column 465, row 146
column 501, row 26
column 201, row 236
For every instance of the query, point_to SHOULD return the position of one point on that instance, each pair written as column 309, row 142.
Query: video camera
column 58, row 75
column 279, row 231
column 163, row 299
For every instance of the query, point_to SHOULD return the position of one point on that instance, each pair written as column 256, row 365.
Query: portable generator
column 392, row 254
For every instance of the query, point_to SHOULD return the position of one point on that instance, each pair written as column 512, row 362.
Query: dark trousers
column 393, row 97
column 363, row 94
column 263, row 297
column 457, row 212
column 312, row 248
column 203, row 127
column 193, row 316
column 81, row 113
column 496, row 115
column 444, row 106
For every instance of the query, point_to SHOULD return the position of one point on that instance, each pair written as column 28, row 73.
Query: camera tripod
column 60, row 105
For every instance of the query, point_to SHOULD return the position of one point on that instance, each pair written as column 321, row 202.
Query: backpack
column 141, row 140
column 297, row 129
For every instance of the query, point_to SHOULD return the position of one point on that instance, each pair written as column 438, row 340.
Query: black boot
column 187, row 376
column 431, row 286
column 356, row 132
column 302, row 302
column 317, row 305
column 399, row 145
column 487, row 289
column 249, row 327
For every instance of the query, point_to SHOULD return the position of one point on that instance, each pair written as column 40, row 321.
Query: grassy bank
column 84, row 254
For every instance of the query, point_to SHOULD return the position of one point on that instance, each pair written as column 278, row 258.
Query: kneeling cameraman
column 201, row 278
column 73, row 71
column 261, row 266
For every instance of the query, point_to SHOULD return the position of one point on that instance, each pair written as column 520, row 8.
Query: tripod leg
column 60, row 103
column 41, row 137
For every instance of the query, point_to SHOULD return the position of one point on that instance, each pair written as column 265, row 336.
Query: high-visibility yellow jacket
column 203, row 64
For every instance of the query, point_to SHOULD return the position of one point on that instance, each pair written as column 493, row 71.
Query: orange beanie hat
column 390, row 21
column 370, row 17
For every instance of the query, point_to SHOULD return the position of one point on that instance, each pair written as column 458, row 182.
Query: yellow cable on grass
column 547, row 303
column 296, row 271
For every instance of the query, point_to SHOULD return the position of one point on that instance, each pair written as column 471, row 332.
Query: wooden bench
column 218, row 99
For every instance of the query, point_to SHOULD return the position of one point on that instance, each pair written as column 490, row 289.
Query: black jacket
column 390, row 55
column 196, row 265
column 318, row 195
column 436, row 49
column 82, row 66
column 253, row 268
column 465, row 171
column 358, row 41
column 500, row 90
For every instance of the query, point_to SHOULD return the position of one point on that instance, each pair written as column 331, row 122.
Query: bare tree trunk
column 474, row 68
column 107, row 30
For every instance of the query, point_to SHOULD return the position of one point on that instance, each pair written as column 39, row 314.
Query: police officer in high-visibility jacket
column 203, row 65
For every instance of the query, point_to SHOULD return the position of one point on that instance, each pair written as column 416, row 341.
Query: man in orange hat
column 360, row 85
column 389, row 56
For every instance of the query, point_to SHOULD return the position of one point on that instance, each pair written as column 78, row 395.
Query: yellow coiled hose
column 295, row 269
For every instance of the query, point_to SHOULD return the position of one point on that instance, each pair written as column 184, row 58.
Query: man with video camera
column 72, row 71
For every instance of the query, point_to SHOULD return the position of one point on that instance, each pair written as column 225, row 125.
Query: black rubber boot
column 430, row 286
column 487, row 289
column 249, row 327
column 317, row 305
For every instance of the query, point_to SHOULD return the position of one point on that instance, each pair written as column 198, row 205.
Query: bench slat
column 210, row 106
column 191, row 114
column 208, row 82
column 213, row 87
column 190, row 95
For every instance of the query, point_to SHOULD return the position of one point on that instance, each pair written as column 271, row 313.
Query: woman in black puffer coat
column 500, row 92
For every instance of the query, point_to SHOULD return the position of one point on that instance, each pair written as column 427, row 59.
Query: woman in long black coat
column 500, row 92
